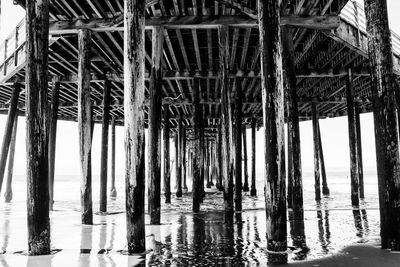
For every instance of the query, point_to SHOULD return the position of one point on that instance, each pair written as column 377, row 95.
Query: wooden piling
column 273, row 111
column 207, row 163
column 113, row 190
column 84, row 125
column 134, row 88
column 219, row 159
column 12, row 111
column 196, row 146
column 202, row 163
column 253, row 190
column 227, row 118
column 317, row 175
column 359, row 155
column 245, row 167
column 36, row 78
column 154, row 146
column 294, row 148
column 178, row 159
column 183, row 152
column 238, row 146
column 167, row 170
column 351, row 117
column 53, row 137
column 325, row 188
column 104, row 146
column 8, row 194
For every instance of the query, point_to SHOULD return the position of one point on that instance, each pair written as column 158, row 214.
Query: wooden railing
column 354, row 14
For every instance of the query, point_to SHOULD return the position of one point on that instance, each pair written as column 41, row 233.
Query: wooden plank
column 273, row 120
column 154, row 148
column 12, row 112
column 134, row 88
column 61, row 27
column 8, row 194
column 55, row 93
column 104, row 146
column 84, row 125
column 37, row 49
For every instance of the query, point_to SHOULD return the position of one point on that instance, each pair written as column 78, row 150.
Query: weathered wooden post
column 104, row 146
column 196, row 146
column 273, row 110
column 36, row 77
column 207, row 163
column 317, row 175
column 253, row 190
column 294, row 147
column 351, row 117
column 202, row 162
column 219, row 159
column 246, row 170
column 134, row 88
column 113, row 190
column 167, row 170
column 12, row 111
column 238, row 146
column 8, row 194
column 183, row 152
column 384, row 89
column 178, row 158
column 359, row 155
column 154, row 146
column 53, row 137
column 85, row 124
column 325, row 188
column 227, row 116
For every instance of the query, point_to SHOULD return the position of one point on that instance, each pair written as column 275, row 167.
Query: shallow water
column 184, row 238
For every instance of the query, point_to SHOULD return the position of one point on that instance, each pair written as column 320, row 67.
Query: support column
column 36, row 78
column 183, row 151
column 317, row 175
column 325, row 188
column 351, row 117
column 104, row 146
column 53, row 138
column 178, row 159
column 212, row 162
column 134, row 88
column 196, row 147
column 10, row 167
column 246, row 170
column 167, row 168
column 359, row 154
column 253, row 191
column 12, row 111
column 238, row 146
column 207, row 162
column 113, row 190
column 84, row 125
column 273, row 110
column 202, row 163
column 220, row 176
column 294, row 148
column 227, row 118
column 154, row 146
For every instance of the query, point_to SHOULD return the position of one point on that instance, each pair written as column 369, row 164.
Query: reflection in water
column 365, row 220
column 6, row 228
column 298, row 237
column 358, row 222
column 324, row 234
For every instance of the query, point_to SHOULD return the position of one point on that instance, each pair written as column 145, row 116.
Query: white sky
column 334, row 131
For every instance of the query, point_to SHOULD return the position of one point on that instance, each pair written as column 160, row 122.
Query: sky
column 334, row 132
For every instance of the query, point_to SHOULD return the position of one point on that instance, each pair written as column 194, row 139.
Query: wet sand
column 336, row 235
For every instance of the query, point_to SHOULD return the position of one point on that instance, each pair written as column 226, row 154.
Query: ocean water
column 184, row 238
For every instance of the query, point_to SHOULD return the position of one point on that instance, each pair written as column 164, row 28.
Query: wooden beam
column 37, row 50
column 104, row 146
column 154, row 147
column 62, row 27
column 84, row 125
column 8, row 194
column 273, row 120
column 55, row 93
column 134, row 88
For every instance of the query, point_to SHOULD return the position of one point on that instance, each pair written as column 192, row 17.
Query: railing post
column 16, row 46
column 5, row 57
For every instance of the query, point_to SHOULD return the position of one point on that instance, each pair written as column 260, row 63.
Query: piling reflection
column 297, row 234
column 324, row 233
